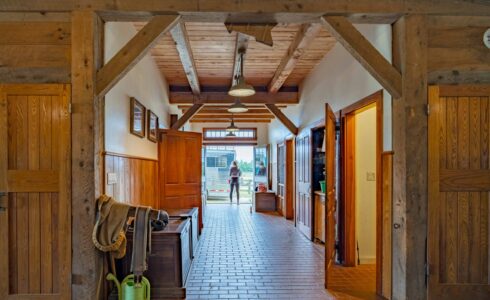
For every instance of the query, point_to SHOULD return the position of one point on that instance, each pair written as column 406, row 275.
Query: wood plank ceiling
column 213, row 50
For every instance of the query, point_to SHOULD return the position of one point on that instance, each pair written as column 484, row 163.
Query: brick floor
column 256, row 256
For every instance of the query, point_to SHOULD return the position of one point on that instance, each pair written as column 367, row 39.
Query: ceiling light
column 232, row 128
column 230, row 134
column 237, row 107
column 241, row 88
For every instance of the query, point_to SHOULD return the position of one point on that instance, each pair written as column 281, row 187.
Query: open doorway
column 359, row 212
column 217, row 162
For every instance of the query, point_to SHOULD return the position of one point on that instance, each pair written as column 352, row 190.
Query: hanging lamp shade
column 237, row 107
column 232, row 128
column 230, row 134
column 241, row 88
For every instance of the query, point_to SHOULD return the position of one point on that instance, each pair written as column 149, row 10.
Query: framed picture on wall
column 137, row 118
column 152, row 126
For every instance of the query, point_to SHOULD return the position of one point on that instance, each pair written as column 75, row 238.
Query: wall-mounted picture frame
column 137, row 124
column 152, row 126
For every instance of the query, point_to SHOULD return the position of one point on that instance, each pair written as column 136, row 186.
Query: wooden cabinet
column 193, row 215
column 265, row 201
column 169, row 261
column 320, row 216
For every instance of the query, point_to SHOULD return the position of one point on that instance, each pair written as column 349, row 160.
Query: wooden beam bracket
column 131, row 53
column 283, row 118
column 365, row 53
column 187, row 116
column 261, row 32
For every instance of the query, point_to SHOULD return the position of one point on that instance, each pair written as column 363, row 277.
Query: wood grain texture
column 37, row 227
column 137, row 179
column 459, row 192
column 387, row 184
column 223, row 97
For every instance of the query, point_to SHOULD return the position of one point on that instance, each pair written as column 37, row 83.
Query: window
column 218, row 135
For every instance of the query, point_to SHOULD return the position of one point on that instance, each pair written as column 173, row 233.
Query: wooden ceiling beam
column 185, row 117
column 131, row 53
column 283, row 118
column 228, row 121
column 234, row 116
column 224, row 107
column 224, row 111
column 365, row 53
column 305, row 35
column 186, row 97
column 181, row 38
column 257, row 11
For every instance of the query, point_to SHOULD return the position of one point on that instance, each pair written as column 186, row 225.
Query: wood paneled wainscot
column 320, row 216
column 131, row 179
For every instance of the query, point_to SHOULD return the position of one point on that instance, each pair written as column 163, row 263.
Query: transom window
column 220, row 133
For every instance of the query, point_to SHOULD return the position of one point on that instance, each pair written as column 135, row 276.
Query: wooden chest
column 193, row 215
column 265, row 201
column 169, row 262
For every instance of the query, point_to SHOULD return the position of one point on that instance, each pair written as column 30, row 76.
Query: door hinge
column 427, row 109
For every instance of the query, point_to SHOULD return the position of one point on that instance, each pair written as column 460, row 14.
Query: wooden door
column 35, row 213
column 289, row 186
column 304, row 207
column 180, row 170
column 459, row 186
column 330, row 193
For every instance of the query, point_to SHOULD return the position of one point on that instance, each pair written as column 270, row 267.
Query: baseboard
column 367, row 260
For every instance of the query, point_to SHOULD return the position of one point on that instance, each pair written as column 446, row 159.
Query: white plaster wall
column 262, row 129
column 365, row 161
column 339, row 80
column 145, row 83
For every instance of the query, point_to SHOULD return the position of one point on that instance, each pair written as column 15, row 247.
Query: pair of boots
column 237, row 201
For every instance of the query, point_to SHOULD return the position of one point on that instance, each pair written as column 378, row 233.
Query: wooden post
column 87, row 140
column 410, row 144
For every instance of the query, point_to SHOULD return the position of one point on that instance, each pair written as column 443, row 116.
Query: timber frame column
column 87, row 146
column 410, row 173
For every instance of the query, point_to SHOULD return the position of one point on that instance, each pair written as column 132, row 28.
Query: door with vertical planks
column 35, row 210
column 330, row 194
column 304, row 209
column 180, row 170
column 459, row 189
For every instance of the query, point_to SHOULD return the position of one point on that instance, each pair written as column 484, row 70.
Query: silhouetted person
column 235, row 174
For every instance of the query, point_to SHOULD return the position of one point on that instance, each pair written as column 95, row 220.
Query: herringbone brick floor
column 256, row 256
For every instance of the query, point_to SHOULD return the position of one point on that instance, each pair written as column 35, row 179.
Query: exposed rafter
column 305, row 35
column 221, row 97
column 197, row 120
column 185, row 117
column 131, row 53
column 282, row 118
column 179, row 34
column 234, row 116
column 365, row 53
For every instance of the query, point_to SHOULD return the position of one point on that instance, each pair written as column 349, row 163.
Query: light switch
column 370, row 176
column 111, row 178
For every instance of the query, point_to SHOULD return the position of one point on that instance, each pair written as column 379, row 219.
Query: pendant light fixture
column 237, row 107
column 232, row 128
column 230, row 134
column 241, row 88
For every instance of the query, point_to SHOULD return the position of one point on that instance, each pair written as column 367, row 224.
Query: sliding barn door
column 459, row 186
column 35, row 216
column 304, row 207
column 180, row 170
column 331, row 200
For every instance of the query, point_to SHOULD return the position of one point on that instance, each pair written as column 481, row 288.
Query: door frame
column 347, row 221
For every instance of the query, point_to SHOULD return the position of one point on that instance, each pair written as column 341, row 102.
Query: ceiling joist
column 131, row 53
column 305, row 35
column 224, row 111
column 234, row 116
column 197, row 120
column 365, row 53
column 222, row 97
column 181, row 38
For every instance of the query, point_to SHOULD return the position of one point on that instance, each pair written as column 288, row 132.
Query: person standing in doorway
column 235, row 174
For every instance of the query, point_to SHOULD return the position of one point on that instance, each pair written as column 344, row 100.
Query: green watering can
column 130, row 290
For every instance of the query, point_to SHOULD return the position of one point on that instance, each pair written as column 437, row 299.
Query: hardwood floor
column 258, row 256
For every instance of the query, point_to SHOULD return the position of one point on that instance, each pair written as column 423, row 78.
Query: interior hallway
column 256, row 256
